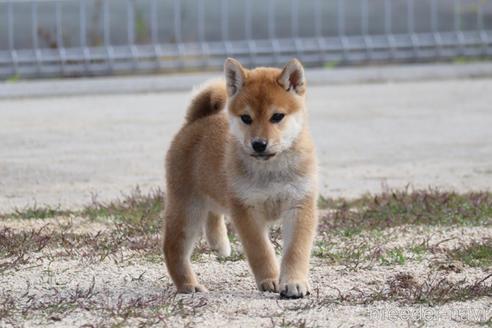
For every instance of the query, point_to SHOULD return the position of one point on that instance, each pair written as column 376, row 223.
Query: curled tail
column 208, row 99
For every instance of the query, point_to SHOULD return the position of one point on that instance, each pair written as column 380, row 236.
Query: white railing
column 99, row 37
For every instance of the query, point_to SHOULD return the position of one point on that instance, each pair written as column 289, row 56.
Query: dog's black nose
column 259, row 145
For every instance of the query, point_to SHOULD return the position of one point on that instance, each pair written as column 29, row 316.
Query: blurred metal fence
column 96, row 37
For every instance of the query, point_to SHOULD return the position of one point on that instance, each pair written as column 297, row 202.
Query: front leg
column 253, row 233
column 298, row 230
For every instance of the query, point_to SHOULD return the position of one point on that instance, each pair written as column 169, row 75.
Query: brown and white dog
column 254, row 162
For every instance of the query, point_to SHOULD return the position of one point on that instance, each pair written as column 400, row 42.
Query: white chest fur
column 273, row 185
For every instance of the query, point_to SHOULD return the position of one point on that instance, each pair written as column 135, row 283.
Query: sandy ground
column 369, row 136
column 53, row 289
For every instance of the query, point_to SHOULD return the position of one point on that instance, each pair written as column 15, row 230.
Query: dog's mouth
column 263, row 157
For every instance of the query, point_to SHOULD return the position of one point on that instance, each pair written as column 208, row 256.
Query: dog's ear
column 234, row 75
column 292, row 77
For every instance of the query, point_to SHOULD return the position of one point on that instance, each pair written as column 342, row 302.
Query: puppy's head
column 265, row 107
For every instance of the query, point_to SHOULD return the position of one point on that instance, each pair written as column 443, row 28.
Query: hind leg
column 182, row 228
column 216, row 232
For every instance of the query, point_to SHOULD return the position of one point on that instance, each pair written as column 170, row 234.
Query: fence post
column 411, row 28
column 341, row 29
column 83, row 35
column 435, row 28
column 457, row 27
column 201, row 32
column 177, row 32
column 318, row 28
column 224, row 9
column 294, row 11
column 248, row 31
column 107, row 36
column 131, row 33
column 365, row 28
column 388, row 29
column 11, row 42
column 154, row 32
column 59, row 35
column 484, row 38
column 271, row 31
column 35, row 39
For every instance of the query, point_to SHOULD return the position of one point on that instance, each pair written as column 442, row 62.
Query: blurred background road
column 65, row 150
column 66, row 135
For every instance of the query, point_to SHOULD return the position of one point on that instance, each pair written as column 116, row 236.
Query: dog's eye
column 246, row 119
column 277, row 117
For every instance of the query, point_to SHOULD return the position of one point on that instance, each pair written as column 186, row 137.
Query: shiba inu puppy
column 244, row 151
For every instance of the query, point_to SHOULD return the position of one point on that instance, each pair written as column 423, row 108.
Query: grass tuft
column 36, row 212
column 476, row 254
column 392, row 209
column 141, row 211
column 404, row 288
column 394, row 256
column 137, row 210
column 353, row 256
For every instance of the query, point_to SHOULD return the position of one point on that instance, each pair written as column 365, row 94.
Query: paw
column 192, row 288
column 223, row 248
column 294, row 289
column 268, row 285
